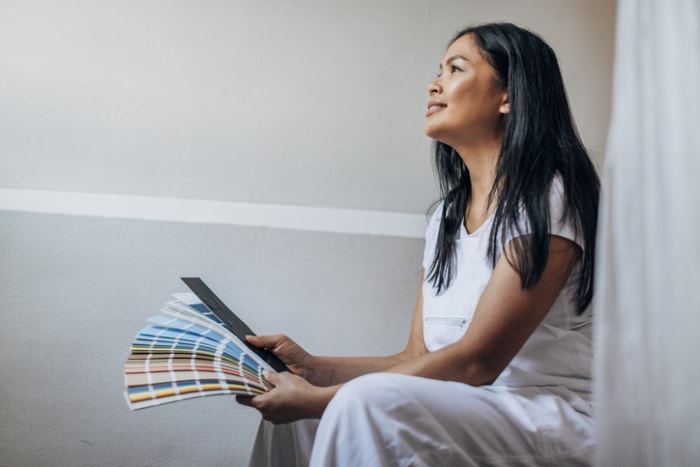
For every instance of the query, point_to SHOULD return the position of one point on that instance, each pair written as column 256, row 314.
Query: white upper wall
column 305, row 103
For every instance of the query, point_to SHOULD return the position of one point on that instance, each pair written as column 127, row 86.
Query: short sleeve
column 559, row 226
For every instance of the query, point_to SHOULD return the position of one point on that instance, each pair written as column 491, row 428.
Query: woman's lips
column 434, row 107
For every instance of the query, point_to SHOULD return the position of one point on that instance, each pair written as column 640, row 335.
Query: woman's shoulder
column 561, row 223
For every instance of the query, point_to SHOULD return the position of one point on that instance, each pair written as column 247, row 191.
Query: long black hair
column 540, row 141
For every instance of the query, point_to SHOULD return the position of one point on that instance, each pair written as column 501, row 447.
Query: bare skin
column 465, row 109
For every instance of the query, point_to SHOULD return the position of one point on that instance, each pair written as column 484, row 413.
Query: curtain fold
column 647, row 365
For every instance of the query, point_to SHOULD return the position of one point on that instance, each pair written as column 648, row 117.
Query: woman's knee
column 372, row 394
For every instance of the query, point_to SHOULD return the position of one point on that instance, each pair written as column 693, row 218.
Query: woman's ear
column 505, row 104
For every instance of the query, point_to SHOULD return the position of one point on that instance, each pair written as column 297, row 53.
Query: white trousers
column 387, row 419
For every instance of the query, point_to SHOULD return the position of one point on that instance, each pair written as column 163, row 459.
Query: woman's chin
column 431, row 132
column 436, row 135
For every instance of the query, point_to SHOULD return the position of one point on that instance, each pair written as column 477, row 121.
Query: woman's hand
column 292, row 398
column 298, row 360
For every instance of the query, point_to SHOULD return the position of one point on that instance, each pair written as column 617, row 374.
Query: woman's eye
column 453, row 69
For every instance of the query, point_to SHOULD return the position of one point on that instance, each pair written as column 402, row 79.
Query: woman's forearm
column 451, row 363
column 329, row 371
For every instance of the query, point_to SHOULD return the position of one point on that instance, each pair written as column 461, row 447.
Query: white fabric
column 648, row 279
column 287, row 445
column 559, row 352
column 386, row 419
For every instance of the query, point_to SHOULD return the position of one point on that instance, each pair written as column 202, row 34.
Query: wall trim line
column 199, row 211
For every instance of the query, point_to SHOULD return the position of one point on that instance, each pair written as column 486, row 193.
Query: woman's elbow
column 483, row 371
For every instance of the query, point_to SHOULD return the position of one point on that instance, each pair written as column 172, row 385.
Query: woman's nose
column 434, row 87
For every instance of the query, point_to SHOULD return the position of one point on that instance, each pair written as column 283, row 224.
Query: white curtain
column 648, row 275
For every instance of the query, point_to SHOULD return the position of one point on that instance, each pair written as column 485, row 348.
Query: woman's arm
column 306, row 391
column 338, row 370
column 329, row 371
column 504, row 319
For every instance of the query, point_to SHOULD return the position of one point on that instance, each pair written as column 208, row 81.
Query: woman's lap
column 392, row 419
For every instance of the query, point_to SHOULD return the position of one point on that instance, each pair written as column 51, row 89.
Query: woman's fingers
column 272, row 377
column 267, row 342
column 245, row 400
column 291, row 353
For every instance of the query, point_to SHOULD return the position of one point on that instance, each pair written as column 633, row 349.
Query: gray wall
column 305, row 103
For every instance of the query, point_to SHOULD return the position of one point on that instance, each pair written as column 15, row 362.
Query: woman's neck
column 482, row 173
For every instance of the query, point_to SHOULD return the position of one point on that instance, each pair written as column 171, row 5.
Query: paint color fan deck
column 185, row 352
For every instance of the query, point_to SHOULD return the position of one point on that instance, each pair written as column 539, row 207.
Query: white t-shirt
column 560, row 350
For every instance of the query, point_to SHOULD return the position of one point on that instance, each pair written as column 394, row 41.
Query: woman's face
column 466, row 99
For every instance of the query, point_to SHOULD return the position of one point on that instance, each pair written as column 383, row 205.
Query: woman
column 497, row 366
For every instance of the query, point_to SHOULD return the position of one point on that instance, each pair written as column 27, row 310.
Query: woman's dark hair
column 540, row 141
